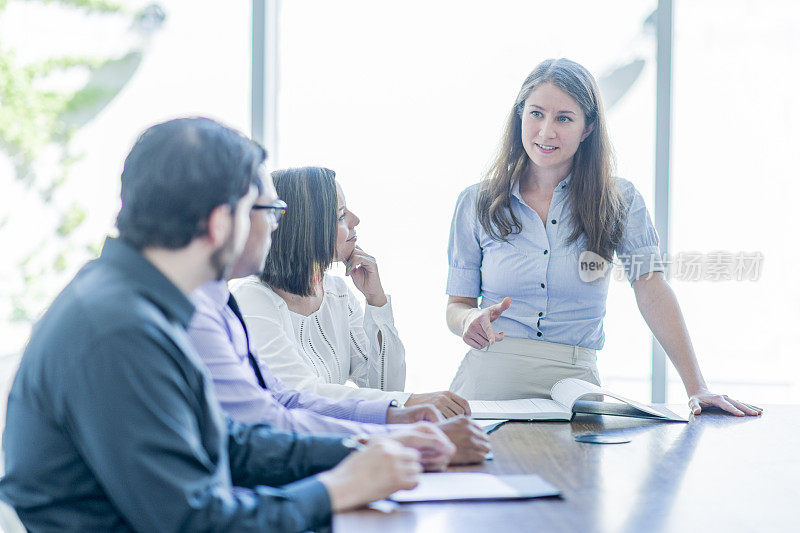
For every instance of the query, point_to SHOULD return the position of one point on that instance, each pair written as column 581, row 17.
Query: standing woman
column 516, row 239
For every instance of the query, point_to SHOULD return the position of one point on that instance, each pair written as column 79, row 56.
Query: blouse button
column 553, row 221
column 545, row 252
column 540, row 313
column 543, row 285
column 538, row 333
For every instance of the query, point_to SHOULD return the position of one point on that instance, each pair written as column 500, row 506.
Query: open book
column 566, row 401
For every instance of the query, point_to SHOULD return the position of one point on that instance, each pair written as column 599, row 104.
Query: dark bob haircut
column 177, row 173
column 305, row 241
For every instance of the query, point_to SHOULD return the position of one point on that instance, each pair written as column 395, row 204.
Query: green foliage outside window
column 34, row 119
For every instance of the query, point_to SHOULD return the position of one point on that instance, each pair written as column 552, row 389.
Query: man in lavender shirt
column 220, row 340
column 249, row 392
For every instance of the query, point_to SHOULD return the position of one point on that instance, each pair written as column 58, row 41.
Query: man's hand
column 435, row 449
column 409, row 415
column 383, row 467
column 472, row 444
column 478, row 331
column 448, row 403
column 704, row 398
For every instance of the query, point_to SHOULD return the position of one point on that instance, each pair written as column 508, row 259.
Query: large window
column 406, row 103
column 734, row 192
column 102, row 74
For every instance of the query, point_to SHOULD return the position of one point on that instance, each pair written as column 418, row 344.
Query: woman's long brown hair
column 304, row 245
column 597, row 206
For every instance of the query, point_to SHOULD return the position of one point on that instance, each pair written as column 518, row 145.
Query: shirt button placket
column 539, row 321
column 539, row 325
column 553, row 222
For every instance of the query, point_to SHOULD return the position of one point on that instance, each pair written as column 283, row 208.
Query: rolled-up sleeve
column 464, row 253
column 638, row 250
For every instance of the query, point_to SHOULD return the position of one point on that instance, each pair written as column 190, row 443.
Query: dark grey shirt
column 112, row 423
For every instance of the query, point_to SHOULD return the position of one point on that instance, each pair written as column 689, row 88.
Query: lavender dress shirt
column 219, row 338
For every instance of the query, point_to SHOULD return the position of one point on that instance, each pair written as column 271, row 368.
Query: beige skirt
column 521, row 368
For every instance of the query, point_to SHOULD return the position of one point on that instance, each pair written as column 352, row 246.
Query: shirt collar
column 149, row 281
column 563, row 184
column 515, row 191
column 216, row 292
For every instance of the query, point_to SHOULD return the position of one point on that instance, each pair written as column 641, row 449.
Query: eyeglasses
column 278, row 209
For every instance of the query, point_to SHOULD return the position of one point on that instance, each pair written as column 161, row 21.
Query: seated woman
column 306, row 325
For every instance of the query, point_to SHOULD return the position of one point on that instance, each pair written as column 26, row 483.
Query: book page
column 624, row 409
column 567, row 391
column 662, row 413
column 524, row 409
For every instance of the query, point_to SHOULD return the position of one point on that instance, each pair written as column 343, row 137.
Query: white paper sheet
column 456, row 486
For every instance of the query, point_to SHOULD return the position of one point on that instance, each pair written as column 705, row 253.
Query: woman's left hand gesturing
column 708, row 399
column 363, row 270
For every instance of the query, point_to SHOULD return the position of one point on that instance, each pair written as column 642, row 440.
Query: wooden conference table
column 716, row 473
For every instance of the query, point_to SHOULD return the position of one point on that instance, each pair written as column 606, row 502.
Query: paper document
column 475, row 486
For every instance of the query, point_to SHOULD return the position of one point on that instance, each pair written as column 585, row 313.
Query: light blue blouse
column 539, row 271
